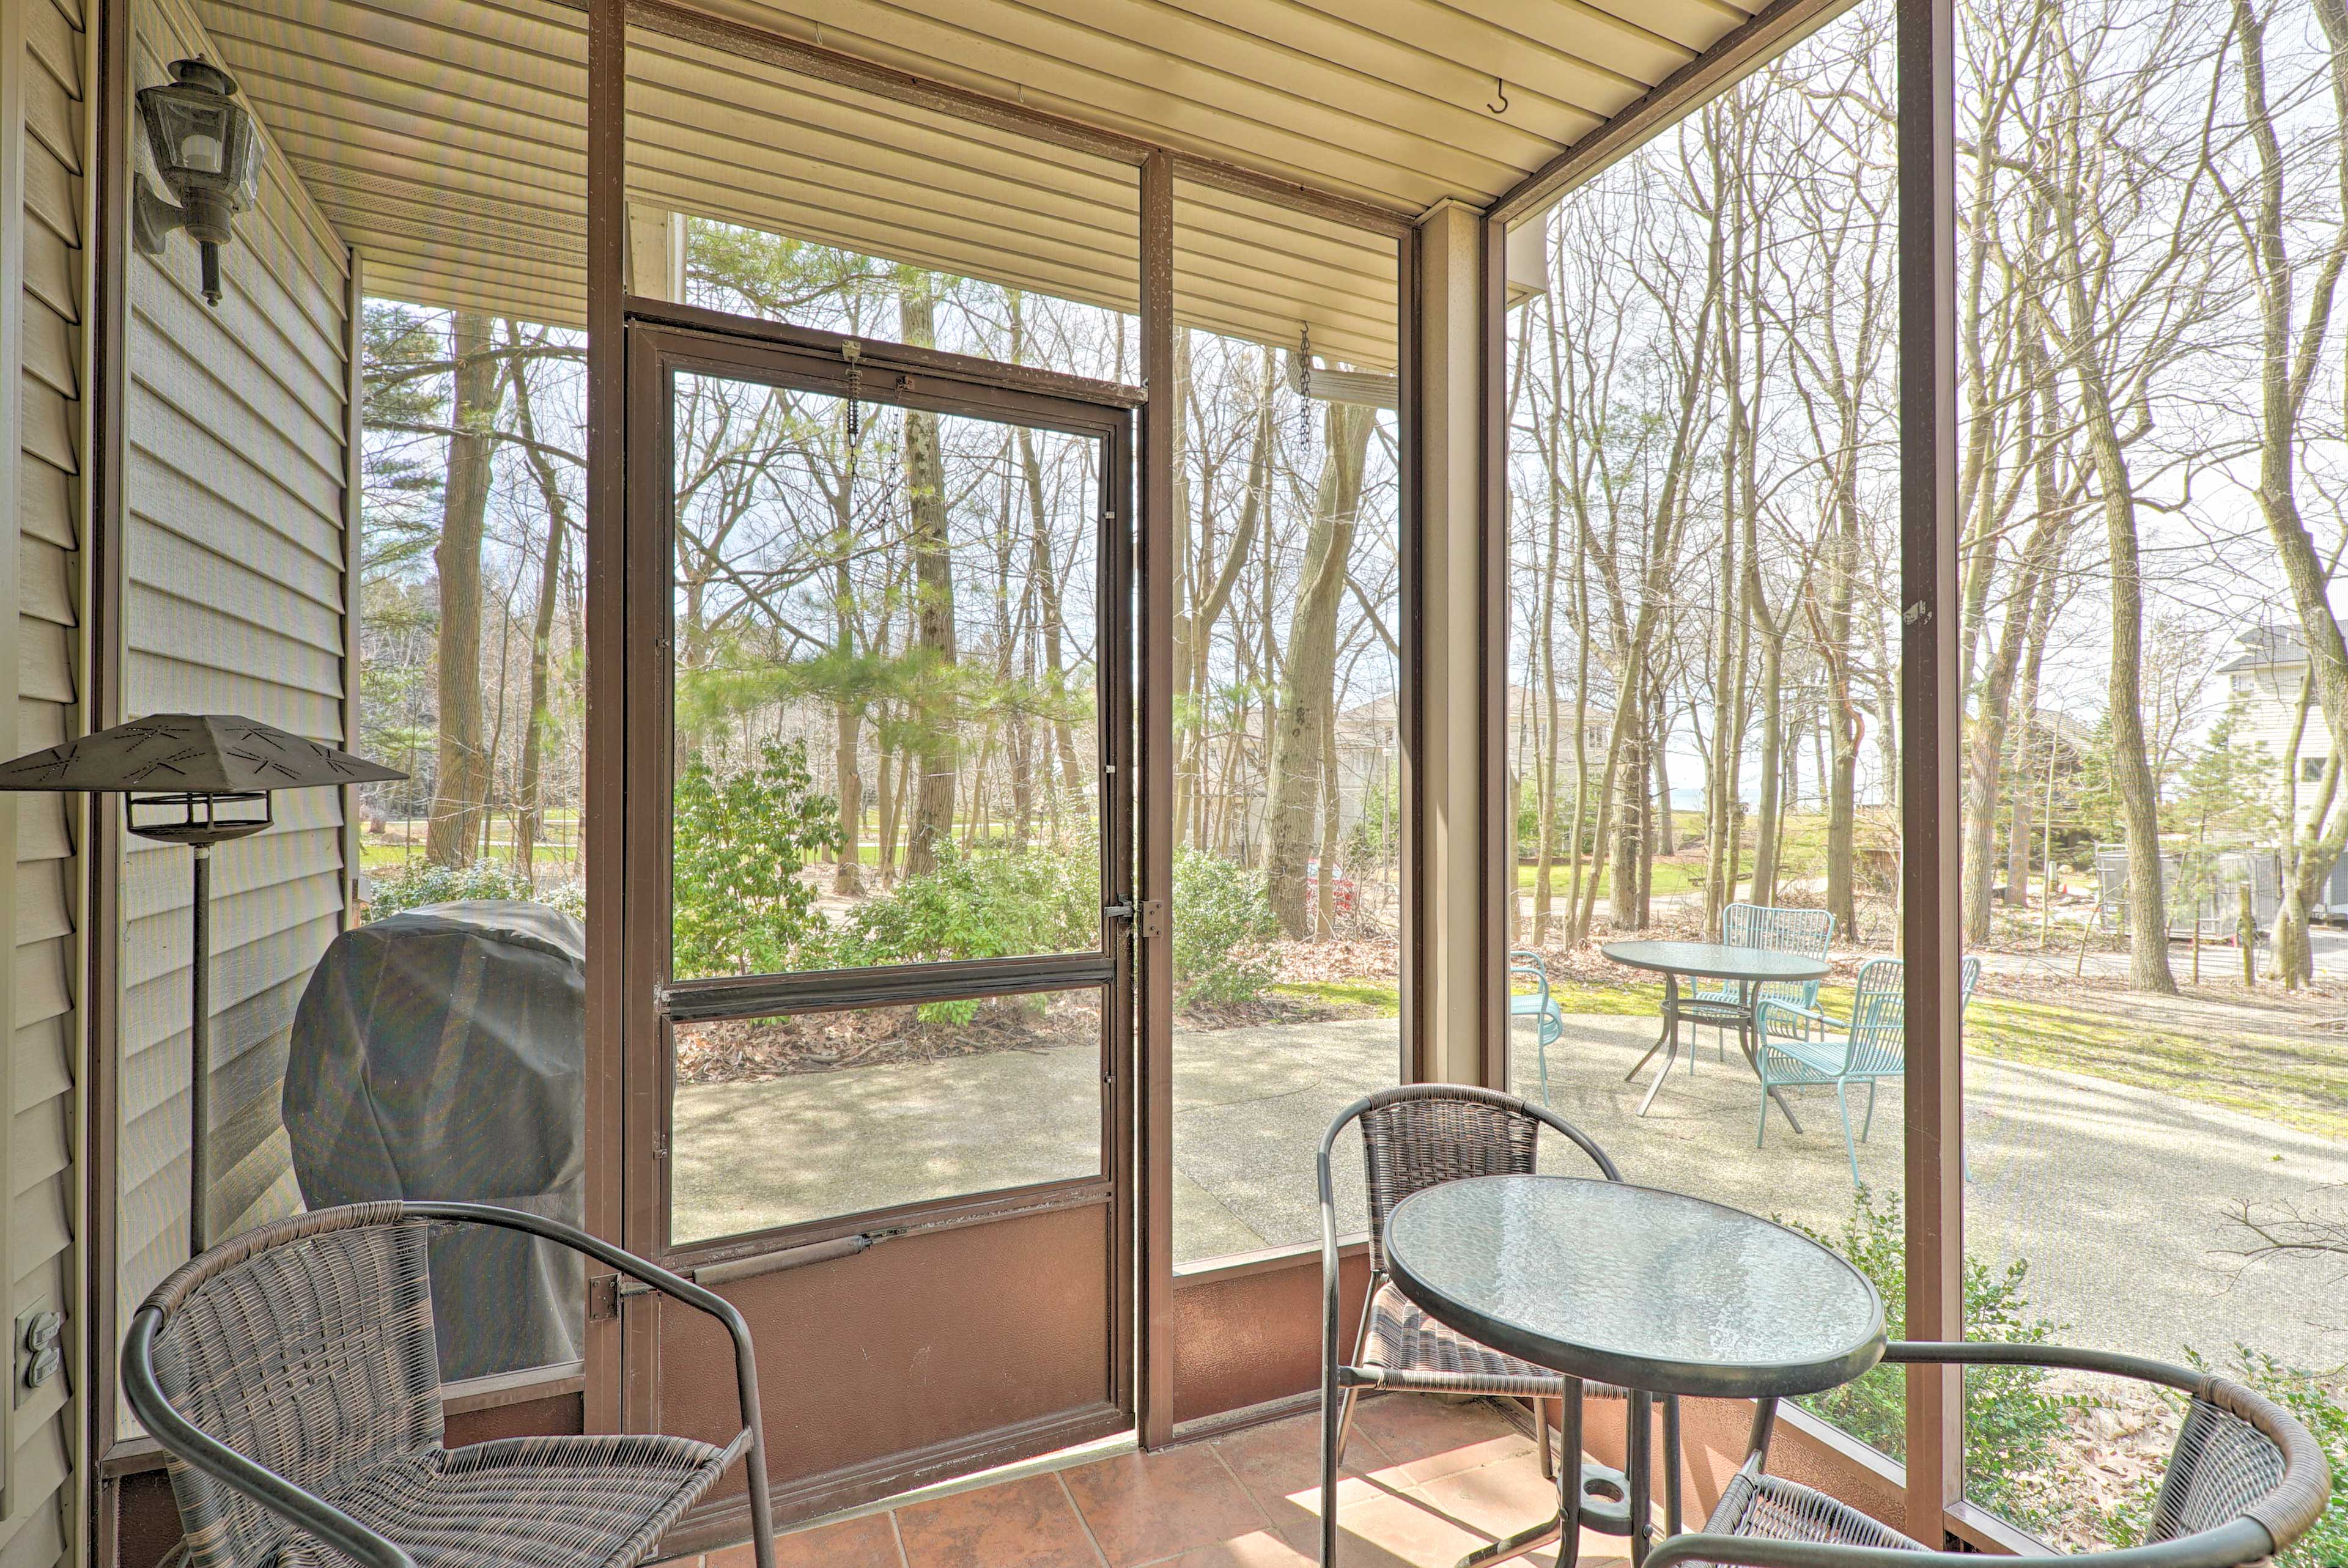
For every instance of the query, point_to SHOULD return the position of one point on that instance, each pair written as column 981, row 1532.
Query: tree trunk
column 1324, row 891
column 2025, row 791
column 2285, row 373
column 1309, row 688
column 2132, row 778
column 1666, row 830
column 529, row 807
column 1047, row 590
column 934, row 600
column 1545, row 776
column 1765, row 819
column 1629, row 810
column 885, row 803
column 1985, row 750
column 461, row 776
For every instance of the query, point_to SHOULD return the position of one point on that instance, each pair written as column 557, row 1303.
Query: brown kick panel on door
column 888, row 1375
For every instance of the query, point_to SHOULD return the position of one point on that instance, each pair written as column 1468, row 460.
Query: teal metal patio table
column 1749, row 967
column 1657, row 1292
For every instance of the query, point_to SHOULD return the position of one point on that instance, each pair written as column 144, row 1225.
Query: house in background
column 2263, row 681
column 2264, row 687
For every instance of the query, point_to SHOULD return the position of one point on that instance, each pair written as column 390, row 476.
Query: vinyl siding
column 234, row 603
column 45, row 1032
column 2271, row 707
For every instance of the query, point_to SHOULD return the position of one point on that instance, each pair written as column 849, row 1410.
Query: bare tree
column 461, row 770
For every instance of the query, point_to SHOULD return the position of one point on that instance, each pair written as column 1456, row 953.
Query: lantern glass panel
column 196, row 135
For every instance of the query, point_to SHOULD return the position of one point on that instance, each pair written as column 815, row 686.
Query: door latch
column 1117, row 911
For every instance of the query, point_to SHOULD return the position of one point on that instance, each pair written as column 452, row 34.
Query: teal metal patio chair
column 1771, row 929
column 1538, row 1004
column 1802, row 1047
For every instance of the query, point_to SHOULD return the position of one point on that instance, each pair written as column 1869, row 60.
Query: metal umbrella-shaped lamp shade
column 197, row 779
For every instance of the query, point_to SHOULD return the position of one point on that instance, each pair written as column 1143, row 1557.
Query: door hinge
column 1153, row 918
column 603, row 1297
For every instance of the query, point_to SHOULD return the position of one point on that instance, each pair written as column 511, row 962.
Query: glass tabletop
column 1633, row 1286
column 1716, row 961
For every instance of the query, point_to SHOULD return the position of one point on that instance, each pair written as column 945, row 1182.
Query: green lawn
column 1384, row 1001
column 2300, row 1078
column 1671, row 876
column 1802, row 850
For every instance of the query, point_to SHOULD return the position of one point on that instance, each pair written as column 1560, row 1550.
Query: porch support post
column 1158, row 534
column 1931, row 916
column 1458, row 804
column 608, row 987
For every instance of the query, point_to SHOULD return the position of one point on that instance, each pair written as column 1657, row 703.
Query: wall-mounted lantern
column 209, row 157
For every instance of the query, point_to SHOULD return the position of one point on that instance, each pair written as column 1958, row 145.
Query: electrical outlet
column 40, row 1357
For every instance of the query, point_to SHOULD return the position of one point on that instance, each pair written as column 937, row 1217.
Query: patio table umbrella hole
column 197, row 779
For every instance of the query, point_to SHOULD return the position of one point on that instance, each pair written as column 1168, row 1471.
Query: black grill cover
column 436, row 1054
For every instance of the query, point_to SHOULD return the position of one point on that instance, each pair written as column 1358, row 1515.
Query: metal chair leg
column 1345, row 1421
column 1330, row 1440
column 1539, row 1408
column 1569, row 1475
column 1672, row 1464
column 1869, row 1125
column 1638, row 1440
column 1848, row 1147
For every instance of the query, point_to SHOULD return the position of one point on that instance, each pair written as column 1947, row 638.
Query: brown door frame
column 661, row 340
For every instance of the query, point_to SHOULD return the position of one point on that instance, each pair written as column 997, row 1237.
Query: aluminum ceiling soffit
column 445, row 137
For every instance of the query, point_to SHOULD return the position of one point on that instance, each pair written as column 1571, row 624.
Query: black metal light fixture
column 206, row 152
column 197, row 779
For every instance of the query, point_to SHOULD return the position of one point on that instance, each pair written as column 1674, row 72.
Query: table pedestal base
column 1668, row 1043
column 1609, row 1502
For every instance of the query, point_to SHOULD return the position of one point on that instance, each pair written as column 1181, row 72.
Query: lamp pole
column 199, row 1059
column 216, row 773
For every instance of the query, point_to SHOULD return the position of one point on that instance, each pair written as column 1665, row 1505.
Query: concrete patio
column 2116, row 1197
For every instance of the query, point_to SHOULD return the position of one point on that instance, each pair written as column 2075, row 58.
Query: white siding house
column 2262, row 684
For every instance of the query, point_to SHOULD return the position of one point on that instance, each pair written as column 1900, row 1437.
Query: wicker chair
column 290, row 1374
column 2244, row 1481
column 1414, row 1137
column 1771, row 929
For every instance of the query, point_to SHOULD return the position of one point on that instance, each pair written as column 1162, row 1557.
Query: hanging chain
column 855, row 388
column 1304, row 388
column 853, row 354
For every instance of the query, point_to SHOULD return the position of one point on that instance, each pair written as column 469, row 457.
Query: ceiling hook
column 1501, row 87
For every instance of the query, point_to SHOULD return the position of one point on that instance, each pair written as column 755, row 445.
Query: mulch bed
column 738, row 1050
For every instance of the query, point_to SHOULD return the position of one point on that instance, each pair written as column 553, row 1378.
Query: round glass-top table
column 1656, row 1291
column 1749, row 967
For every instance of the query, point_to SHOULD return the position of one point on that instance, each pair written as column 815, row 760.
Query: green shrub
column 998, row 902
column 741, row 839
column 986, row 903
column 420, row 882
column 1223, row 927
column 2013, row 1422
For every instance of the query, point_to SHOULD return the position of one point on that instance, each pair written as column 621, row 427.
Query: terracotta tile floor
column 1425, row 1483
